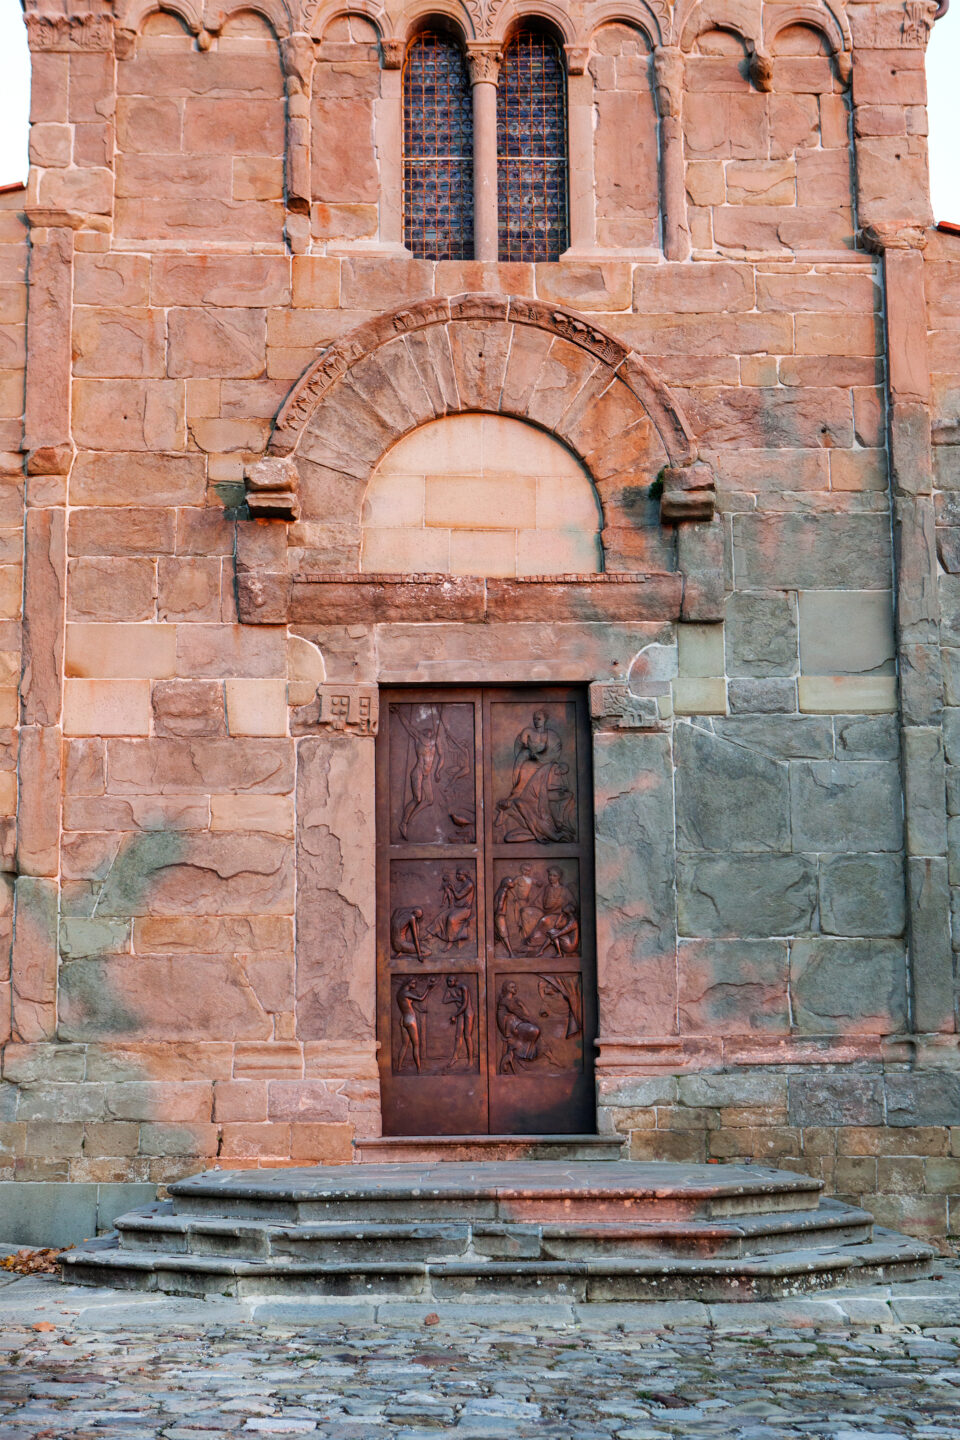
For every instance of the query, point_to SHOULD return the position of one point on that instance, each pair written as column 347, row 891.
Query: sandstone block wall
column 746, row 361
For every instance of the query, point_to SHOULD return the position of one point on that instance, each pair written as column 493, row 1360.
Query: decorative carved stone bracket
column 392, row 52
column 272, row 489
column 883, row 235
column 689, row 493
column 340, row 709
column 614, row 707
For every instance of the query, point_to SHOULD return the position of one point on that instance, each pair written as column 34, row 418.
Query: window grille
column 532, row 149
column 437, row 150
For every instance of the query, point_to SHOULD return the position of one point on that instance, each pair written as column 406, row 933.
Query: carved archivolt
column 613, row 362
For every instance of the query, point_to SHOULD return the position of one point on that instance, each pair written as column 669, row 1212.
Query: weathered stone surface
column 761, row 634
column 722, row 982
column 845, row 632
column 862, row 895
column 34, row 959
column 728, row 798
column 844, row 806
column 335, row 919
column 772, row 696
column 849, row 552
column 196, row 874
column 636, row 915
column 921, row 1097
column 842, row 1099
column 749, row 895
column 848, row 986
column 141, row 998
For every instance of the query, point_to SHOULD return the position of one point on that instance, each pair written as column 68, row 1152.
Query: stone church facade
column 480, row 583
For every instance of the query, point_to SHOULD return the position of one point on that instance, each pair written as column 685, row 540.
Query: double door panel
column 486, row 989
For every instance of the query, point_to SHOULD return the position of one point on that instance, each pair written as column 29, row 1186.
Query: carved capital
column 668, row 80
column 483, row 62
column 883, row 235
column 689, row 493
column 297, row 57
column 578, row 57
column 613, row 707
column 918, row 18
column 272, row 485
column 392, row 53
column 70, row 32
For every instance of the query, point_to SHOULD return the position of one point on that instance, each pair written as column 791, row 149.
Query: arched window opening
column 437, row 149
column 532, row 148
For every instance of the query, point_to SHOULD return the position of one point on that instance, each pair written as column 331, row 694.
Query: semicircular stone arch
column 476, row 353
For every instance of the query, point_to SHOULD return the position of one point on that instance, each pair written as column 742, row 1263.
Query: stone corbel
column 614, row 707
column 689, row 493
column 392, row 52
column 578, row 57
column 339, row 709
column 883, row 235
column 761, row 70
column 272, row 485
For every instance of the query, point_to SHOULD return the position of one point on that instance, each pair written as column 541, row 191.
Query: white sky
column 943, row 69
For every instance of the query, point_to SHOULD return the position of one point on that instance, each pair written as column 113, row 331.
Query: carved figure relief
column 540, row 1023
column 433, row 908
column 536, row 908
column 432, row 776
column 540, row 803
column 434, row 1025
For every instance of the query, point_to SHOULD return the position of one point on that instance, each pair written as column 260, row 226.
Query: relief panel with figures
column 485, row 864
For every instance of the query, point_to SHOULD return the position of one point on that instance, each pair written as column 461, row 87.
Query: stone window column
column 668, row 80
column 580, row 147
column 389, row 139
column 483, row 62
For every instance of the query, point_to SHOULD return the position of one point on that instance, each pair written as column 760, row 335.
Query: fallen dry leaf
column 34, row 1262
column 432, row 1319
column 44, row 1326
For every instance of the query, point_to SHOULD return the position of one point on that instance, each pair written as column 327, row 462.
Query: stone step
column 482, row 1148
column 542, row 1191
column 888, row 1256
column 157, row 1227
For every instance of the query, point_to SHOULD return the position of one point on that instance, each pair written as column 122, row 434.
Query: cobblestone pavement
column 112, row 1366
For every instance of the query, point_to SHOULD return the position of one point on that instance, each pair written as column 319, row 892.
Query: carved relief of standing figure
column 410, row 1002
column 463, row 1018
column 540, row 805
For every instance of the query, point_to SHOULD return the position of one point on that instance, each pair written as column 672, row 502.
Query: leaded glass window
column 437, row 149
column 532, row 149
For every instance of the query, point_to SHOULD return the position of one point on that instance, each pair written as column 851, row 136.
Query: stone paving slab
column 881, row 1364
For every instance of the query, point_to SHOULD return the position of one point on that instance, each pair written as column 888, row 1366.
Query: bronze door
column 486, row 959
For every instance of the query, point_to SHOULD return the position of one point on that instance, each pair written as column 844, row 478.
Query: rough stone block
column 728, row 798
column 120, row 651
column 867, row 737
column 762, row 697
column 699, row 696
column 923, row 1097
column 818, row 1097
column 848, row 986
column 34, row 960
column 748, row 895
column 844, row 632
column 106, row 707
column 761, row 634
column 700, row 650
column 189, row 708
column 850, row 552
column 192, row 873
column 846, row 806
column 256, row 707
column 722, row 982
column 140, row 998
column 862, row 895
